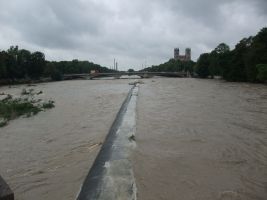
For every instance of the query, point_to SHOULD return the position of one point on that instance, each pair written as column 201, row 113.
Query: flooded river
column 201, row 140
column 195, row 139
column 47, row 157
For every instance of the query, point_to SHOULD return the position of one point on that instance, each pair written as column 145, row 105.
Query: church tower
column 188, row 54
column 176, row 53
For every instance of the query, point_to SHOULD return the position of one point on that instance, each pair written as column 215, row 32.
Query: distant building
column 186, row 57
column 94, row 71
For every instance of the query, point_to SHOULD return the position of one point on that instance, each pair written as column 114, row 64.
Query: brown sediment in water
column 201, row 139
column 47, row 156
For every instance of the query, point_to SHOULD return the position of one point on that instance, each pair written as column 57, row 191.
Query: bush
column 14, row 108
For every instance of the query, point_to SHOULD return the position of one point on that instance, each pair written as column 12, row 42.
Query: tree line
column 16, row 64
column 246, row 62
column 56, row 69
column 172, row 66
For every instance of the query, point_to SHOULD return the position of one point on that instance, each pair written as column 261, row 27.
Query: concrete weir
column 5, row 191
column 111, row 176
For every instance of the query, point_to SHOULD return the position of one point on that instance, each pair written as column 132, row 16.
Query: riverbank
column 201, row 139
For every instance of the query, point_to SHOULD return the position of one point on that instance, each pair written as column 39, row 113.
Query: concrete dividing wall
column 111, row 176
column 5, row 191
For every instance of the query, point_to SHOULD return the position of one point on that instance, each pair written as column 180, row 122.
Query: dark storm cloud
column 135, row 32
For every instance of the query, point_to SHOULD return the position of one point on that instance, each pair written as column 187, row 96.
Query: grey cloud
column 56, row 24
column 132, row 31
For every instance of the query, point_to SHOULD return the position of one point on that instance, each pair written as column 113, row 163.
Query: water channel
column 195, row 139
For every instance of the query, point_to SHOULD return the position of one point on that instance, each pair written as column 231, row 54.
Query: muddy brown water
column 196, row 139
column 201, row 140
column 48, row 156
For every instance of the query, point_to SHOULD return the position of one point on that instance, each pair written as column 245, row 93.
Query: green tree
column 257, row 54
column 23, row 58
column 222, row 48
column 218, row 59
column 130, row 70
column 3, row 67
column 235, row 70
column 36, row 65
column 202, row 66
column 13, row 69
column 262, row 72
column 214, row 67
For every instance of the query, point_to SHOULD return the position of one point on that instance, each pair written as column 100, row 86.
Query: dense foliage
column 130, row 70
column 18, row 63
column 56, row 69
column 172, row 66
column 246, row 62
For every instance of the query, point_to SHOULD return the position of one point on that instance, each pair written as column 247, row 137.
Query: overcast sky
column 136, row 32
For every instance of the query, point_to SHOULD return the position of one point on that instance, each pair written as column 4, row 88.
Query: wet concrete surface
column 5, row 192
column 48, row 156
column 111, row 176
column 201, row 139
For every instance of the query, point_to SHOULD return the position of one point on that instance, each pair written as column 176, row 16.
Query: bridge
column 119, row 74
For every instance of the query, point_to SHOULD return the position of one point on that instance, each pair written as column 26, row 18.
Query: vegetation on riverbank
column 172, row 66
column 246, row 62
column 25, row 105
column 22, row 66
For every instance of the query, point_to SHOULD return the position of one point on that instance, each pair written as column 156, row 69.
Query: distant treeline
column 246, row 62
column 56, row 69
column 172, row 66
column 16, row 64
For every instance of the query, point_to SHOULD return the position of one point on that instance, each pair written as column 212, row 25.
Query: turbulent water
column 196, row 139
column 201, row 140
column 48, row 156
